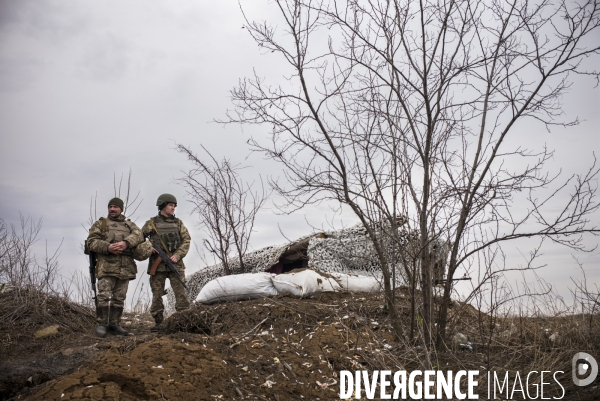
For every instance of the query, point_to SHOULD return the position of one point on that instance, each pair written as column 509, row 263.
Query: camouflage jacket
column 175, row 237
column 121, row 266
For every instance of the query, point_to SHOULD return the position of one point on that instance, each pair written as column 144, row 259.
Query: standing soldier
column 114, row 240
column 169, row 232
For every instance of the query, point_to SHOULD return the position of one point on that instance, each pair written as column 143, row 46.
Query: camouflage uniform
column 114, row 271
column 176, row 240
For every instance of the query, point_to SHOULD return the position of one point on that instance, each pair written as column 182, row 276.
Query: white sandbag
column 356, row 283
column 237, row 287
column 305, row 283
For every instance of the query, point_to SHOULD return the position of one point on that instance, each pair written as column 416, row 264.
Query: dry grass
column 189, row 321
column 23, row 311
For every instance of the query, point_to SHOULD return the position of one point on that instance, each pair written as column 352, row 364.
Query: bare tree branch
column 226, row 207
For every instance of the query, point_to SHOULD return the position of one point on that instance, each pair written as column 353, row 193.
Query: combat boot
column 102, row 313
column 158, row 319
column 114, row 322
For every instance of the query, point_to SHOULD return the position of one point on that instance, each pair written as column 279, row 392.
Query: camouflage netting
column 348, row 251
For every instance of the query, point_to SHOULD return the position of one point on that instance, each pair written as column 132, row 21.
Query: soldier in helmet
column 170, row 232
column 114, row 239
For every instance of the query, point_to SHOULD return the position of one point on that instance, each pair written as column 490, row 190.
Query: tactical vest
column 117, row 231
column 168, row 232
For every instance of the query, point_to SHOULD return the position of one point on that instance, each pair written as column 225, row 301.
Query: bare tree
column 407, row 108
column 131, row 202
column 19, row 266
column 226, row 206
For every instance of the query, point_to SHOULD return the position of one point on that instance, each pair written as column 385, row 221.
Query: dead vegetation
column 31, row 296
column 353, row 332
column 37, row 332
column 189, row 321
column 25, row 311
column 285, row 348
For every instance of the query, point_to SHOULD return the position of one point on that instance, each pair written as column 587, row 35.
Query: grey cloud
column 55, row 20
column 17, row 73
column 106, row 58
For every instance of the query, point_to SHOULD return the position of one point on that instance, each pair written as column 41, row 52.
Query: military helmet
column 142, row 251
column 166, row 198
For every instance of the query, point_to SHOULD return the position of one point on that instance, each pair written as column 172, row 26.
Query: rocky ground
column 266, row 349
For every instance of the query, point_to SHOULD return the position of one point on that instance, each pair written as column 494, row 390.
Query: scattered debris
column 268, row 384
column 329, row 383
column 459, row 338
column 46, row 331
column 466, row 347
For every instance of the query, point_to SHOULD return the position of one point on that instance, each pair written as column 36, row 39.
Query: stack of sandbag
column 237, row 287
column 299, row 283
column 357, row 283
column 305, row 283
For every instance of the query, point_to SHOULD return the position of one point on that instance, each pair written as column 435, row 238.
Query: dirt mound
column 24, row 312
column 30, row 358
column 268, row 349
column 276, row 348
column 41, row 325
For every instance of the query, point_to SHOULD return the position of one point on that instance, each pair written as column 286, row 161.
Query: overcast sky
column 90, row 89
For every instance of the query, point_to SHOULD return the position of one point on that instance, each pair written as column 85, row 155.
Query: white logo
column 582, row 362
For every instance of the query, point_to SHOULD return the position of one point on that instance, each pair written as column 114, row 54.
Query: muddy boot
column 158, row 319
column 114, row 322
column 102, row 313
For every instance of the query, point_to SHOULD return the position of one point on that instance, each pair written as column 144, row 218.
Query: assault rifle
column 93, row 261
column 165, row 258
column 454, row 279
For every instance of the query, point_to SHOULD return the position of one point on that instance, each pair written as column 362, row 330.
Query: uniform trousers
column 157, row 284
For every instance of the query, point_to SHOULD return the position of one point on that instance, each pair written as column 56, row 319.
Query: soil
column 264, row 349
column 275, row 348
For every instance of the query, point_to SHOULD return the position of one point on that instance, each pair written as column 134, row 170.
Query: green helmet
column 166, row 198
column 142, row 251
